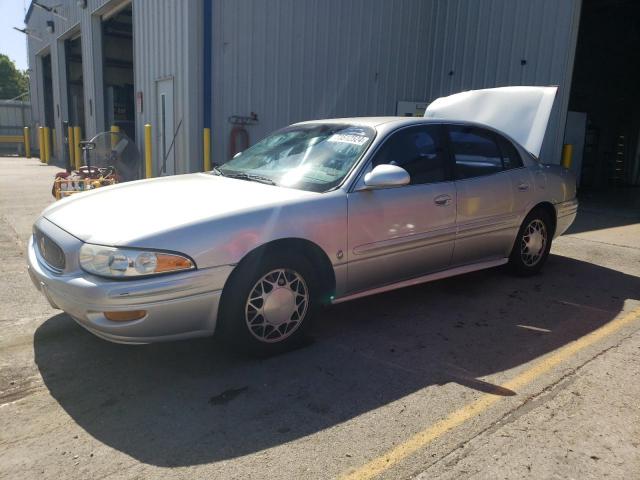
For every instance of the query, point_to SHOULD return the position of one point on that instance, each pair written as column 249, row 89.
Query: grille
column 49, row 251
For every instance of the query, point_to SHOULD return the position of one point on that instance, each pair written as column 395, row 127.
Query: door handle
column 442, row 200
column 523, row 187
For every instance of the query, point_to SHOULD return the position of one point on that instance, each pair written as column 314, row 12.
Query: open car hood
column 520, row 112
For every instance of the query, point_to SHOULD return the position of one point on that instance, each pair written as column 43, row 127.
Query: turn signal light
column 125, row 316
column 171, row 263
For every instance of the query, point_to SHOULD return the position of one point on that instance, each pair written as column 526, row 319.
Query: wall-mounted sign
column 411, row 109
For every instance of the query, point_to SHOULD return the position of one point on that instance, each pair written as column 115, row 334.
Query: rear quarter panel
column 557, row 185
column 561, row 183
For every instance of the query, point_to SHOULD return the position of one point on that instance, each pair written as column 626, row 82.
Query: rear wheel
column 268, row 304
column 532, row 245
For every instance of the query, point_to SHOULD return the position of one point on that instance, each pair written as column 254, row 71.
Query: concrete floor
column 481, row 376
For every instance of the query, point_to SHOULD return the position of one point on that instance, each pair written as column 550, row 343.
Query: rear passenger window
column 475, row 151
column 510, row 156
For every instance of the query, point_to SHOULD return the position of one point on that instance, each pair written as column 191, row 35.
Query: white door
column 166, row 128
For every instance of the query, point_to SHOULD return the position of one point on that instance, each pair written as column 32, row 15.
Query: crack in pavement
column 530, row 403
column 14, row 232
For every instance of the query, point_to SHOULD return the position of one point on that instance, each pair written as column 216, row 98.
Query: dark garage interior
column 47, row 86
column 606, row 87
column 75, row 84
column 117, row 46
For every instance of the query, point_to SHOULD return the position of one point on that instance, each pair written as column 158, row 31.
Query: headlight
column 125, row 262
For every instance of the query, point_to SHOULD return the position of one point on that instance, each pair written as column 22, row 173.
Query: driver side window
column 419, row 150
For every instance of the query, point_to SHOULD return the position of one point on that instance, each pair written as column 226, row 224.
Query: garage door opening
column 47, row 94
column 604, row 105
column 75, row 84
column 117, row 53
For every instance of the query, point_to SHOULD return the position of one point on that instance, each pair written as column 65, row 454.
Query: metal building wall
column 14, row 115
column 168, row 43
column 77, row 20
column 35, row 47
column 491, row 43
column 293, row 60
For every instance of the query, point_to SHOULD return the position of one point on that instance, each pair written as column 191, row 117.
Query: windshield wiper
column 244, row 176
column 250, row 177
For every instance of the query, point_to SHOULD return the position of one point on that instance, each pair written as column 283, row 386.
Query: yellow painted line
column 397, row 454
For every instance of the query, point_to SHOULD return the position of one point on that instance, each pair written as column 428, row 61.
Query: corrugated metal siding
column 293, row 60
column 14, row 116
column 168, row 43
column 77, row 20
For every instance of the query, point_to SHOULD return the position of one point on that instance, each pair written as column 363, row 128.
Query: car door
column 486, row 214
column 522, row 183
column 403, row 232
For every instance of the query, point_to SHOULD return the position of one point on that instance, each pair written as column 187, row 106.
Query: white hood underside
column 520, row 112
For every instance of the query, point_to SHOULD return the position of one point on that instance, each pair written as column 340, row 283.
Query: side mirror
column 386, row 176
column 237, row 155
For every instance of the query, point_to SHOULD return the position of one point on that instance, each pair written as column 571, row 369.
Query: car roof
column 369, row 121
column 391, row 123
column 384, row 125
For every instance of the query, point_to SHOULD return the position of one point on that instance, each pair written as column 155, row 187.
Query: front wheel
column 532, row 245
column 268, row 304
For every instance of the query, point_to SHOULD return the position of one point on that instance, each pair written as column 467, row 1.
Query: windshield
column 314, row 157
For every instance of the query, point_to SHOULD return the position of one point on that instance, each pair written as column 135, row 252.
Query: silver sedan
column 319, row 212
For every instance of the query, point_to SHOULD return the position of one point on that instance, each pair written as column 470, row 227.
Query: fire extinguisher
column 239, row 136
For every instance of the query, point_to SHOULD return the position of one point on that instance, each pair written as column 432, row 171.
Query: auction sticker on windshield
column 346, row 138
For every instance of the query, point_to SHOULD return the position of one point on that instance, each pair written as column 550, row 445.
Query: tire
column 268, row 304
column 531, row 248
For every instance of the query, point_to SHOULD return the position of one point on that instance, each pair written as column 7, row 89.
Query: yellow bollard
column 207, row 149
column 567, row 155
column 114, row 138
column 77, row 154
column 148, row 167
column 47, row 145
column 72, row 150
column 41, row 143
column 27, row 142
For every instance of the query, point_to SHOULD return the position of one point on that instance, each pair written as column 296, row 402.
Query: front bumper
column 181, row 305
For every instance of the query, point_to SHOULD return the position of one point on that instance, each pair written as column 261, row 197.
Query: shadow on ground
column 190, row 403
